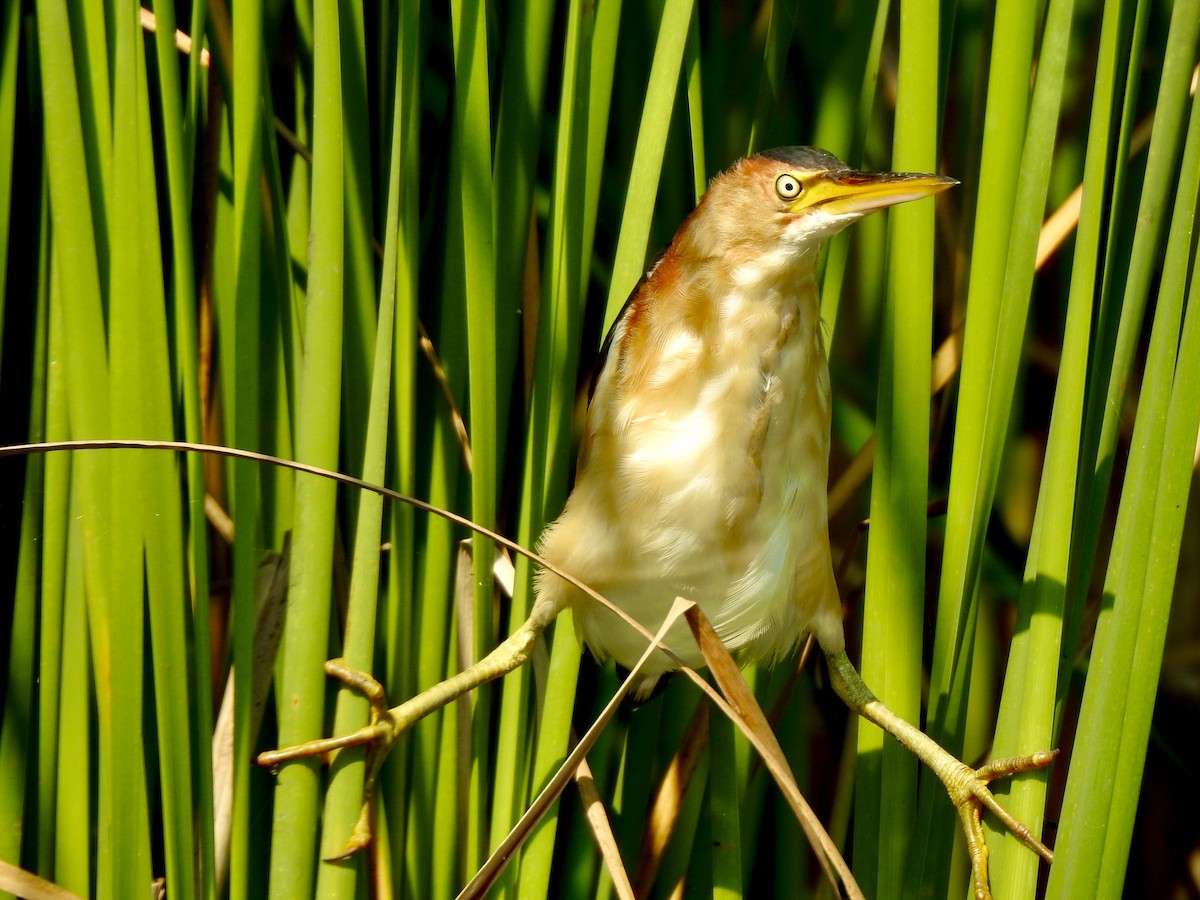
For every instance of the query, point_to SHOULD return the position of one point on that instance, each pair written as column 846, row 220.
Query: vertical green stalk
column 344, row 797
column 178, row 129
column 72, row 848
column 472, row 119
column 896, row 559
column 56, row 542
column 723, row 806
column 605, row 36
column 240, row 379
column 306, row 633
column 396, row 618
column 522, row 101
column 89, row 34
column 695, row 98
column 562, row 677
column 359, row 223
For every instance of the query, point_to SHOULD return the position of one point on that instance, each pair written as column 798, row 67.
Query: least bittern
column 704, row 465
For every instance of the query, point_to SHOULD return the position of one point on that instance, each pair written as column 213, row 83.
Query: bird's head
column 788, row 200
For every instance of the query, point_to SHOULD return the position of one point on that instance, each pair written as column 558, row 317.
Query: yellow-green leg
column 386, row 725
column 967, row 787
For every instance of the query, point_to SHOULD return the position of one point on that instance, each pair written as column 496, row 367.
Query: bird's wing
column 606, row 347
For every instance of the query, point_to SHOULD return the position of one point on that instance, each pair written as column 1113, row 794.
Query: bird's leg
column 967, row 787
column 386, row 725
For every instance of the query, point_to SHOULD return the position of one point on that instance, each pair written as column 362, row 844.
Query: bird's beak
column 849, row 192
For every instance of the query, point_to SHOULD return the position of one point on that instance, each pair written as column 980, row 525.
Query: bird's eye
column 787, row 187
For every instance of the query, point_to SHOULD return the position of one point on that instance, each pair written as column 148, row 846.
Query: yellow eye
column 788, row 187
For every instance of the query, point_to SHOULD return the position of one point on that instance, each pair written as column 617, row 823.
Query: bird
column 703, row 466
column 703, row 469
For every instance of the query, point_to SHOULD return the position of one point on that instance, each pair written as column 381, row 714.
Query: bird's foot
column 386, row 725
column 380, row 728
column 967, row 787
column 378, row 735
column 969, row 792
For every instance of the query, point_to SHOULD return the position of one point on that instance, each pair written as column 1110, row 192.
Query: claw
column 361, row 835
column 378, row 735
column 969, row 793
